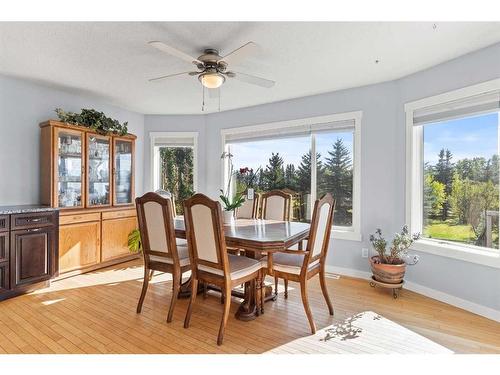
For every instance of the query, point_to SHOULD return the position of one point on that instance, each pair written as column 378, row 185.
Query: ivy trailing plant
column 90, row 118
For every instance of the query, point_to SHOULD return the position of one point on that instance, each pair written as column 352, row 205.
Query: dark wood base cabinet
column 28, row 251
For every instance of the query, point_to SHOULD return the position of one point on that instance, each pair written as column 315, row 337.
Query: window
column 278, row 156
column 174, row 164
column 453, row 170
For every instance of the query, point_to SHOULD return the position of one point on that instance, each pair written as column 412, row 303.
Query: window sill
column 461, row 252
column 338, row 234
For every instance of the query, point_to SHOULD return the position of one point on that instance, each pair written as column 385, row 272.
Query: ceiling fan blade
column 174, row 52
column 240, row 53
column 214, row 93
column 262, row 82
column 168, row 76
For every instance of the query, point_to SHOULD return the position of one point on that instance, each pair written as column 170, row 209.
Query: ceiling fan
column 212, row 69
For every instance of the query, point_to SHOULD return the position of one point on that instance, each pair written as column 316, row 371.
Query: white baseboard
column 473, row 307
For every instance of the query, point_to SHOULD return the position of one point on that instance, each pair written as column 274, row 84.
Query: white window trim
column 414, row 180
column 154, row 156
column 353, row 233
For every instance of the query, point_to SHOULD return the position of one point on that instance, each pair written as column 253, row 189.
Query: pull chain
column 203, row 98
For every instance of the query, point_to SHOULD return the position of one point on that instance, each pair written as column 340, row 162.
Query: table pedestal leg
column 185, row 290
column 248, row 309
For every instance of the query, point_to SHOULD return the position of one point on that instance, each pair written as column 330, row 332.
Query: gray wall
column 383, row 162
column 23, row 105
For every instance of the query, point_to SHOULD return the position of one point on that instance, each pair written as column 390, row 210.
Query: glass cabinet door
column 98, row 170
column 123, row 164
column 69, row 168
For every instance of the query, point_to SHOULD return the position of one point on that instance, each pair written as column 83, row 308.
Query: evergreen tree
column 304, row 173
column 274, row 175
column 338, row 181
column 443, row 173
column 291, row 177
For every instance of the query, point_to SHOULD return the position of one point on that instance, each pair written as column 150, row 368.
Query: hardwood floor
column 95, row 313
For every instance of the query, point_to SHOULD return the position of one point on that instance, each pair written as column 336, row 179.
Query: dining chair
column 301, row 265
column 249, row 209
column 276, row 205
column 210, row 262
column 167, row 194
column 161, row 251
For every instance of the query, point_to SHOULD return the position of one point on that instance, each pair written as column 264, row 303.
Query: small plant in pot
column 230, row 203
column 390, row 266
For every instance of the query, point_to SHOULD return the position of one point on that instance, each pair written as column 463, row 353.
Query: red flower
column 244, row 170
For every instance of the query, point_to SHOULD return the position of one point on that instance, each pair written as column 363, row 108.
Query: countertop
column 25, row 208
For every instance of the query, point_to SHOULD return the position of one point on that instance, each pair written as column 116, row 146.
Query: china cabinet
column 90, row 178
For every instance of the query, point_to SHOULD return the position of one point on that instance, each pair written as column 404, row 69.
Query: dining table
column 257, row 238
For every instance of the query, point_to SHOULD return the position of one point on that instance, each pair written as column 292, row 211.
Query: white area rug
column 364, row 333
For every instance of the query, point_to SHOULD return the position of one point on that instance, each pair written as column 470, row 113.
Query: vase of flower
column 390, row 267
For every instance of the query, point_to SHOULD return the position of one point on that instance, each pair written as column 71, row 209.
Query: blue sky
column 257, row 153
column 465, row 138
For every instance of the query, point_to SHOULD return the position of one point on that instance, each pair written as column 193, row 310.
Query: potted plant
column 230, row 203
column 134, row 241
column 390, row 267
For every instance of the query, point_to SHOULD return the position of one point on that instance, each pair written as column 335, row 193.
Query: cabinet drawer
column 33, row 220
column 79, row 218
column 118, row 214
column 4, row 223
column 4, row 247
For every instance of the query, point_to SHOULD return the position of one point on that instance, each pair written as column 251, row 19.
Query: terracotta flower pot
column 387, row 273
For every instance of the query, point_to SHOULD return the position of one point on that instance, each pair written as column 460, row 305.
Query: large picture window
column 453, row 171
column 174, row 165
column 279, row 156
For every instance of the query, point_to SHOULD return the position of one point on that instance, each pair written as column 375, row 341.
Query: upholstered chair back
column 156, row 225
column 167, row 194
column 249, row 209
column 205, row 234
column 276, row 205
column 321, row 227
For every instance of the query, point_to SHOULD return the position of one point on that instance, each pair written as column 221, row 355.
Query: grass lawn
column 446, row 231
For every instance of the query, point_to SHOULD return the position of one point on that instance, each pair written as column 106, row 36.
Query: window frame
column 352, row 233
column 154, row 154
column 414, row 181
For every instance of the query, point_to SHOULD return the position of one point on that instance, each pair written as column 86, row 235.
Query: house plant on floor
column 230, row 203
column 390, row 267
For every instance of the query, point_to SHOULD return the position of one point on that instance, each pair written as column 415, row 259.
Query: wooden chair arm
column 286, row 251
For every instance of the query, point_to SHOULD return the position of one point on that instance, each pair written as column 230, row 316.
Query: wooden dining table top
column 257, row 234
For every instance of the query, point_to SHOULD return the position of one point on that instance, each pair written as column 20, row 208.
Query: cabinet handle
column 33, row 220
column 33, row 230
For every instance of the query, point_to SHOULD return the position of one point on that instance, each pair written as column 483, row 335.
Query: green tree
column 304, row 172
column 443, row 173
column 177, row 173
column 338, row 181
column 434, row 197
column 291, row 177
column 274, row 174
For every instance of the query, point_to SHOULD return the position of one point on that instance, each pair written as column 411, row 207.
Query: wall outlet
column 364, row 253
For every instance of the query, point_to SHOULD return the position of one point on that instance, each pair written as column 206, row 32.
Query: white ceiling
column 113, row 61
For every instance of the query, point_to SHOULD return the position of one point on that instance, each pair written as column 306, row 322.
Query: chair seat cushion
column 183, row 252
column 239, row 266
column 290, row 263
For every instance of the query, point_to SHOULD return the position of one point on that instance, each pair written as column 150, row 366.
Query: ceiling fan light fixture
column 211, row 80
